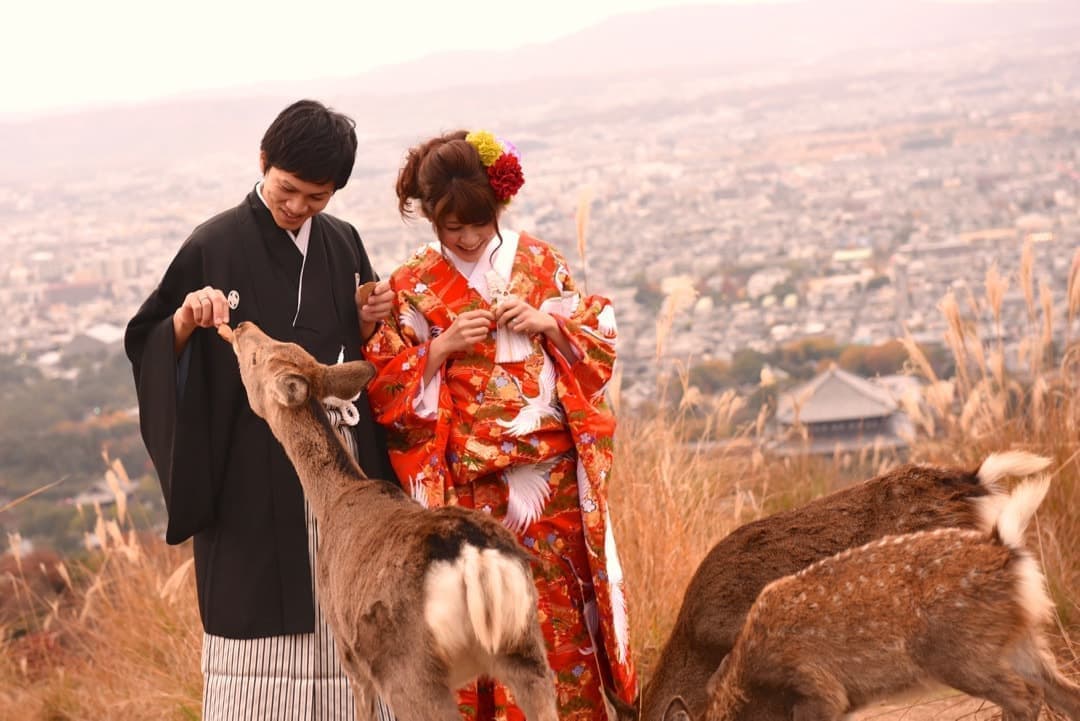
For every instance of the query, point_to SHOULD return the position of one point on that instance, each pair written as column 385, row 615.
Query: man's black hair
column 312, row 142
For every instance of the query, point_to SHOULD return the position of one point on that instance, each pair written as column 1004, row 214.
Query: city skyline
column 818, row 211
column 815, row 197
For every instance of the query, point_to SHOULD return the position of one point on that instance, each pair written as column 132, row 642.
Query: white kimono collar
column 510, row 346
column 477, row 275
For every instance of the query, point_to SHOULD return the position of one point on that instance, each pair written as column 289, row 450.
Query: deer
column 903, row 500
column 946, row 607
column 421, row 601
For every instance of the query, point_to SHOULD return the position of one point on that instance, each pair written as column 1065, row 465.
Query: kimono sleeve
column 588, row 322
column 399, row 353
column 174, row 424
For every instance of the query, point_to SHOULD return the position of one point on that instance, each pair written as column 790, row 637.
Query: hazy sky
column 73, row 53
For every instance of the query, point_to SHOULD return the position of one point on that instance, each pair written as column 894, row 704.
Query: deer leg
column 363, row 691
column 363, row 700
column 1018, row 698
column 529, row 678
column 413, row 699
column 1061, row 694
column 1033, row 661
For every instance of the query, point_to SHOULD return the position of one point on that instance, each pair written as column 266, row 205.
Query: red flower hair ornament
column 502, row 162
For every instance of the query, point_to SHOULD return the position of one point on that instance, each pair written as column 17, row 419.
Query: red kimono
column 515, row 429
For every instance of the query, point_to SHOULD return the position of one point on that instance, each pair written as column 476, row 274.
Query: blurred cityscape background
column 796, row 185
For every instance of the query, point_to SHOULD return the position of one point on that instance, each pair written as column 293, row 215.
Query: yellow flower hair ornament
column 502, row 162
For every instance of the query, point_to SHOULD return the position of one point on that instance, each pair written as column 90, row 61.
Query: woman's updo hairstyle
column 445, row 176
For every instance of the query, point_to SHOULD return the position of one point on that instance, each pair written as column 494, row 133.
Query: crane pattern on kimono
column 536, row 408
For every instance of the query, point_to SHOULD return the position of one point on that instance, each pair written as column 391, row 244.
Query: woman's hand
column 514, row 313
column 517, row 315
column 468, row 329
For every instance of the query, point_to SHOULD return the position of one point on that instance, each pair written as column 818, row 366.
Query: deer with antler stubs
column 421, row 601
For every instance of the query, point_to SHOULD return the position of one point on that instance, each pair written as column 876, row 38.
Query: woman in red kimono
column 491, row 376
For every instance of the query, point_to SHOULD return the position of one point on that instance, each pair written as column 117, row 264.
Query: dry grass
column 673, row 500
column 117, row 638
column 121, row 639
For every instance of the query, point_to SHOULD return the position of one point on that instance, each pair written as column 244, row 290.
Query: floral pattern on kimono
column 477, row 428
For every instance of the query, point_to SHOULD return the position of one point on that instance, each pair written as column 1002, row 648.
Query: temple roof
column 835, row 395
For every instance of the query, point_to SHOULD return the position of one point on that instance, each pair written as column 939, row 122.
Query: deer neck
column 325, row 468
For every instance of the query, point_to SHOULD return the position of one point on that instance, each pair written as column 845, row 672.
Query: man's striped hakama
column 282, row 678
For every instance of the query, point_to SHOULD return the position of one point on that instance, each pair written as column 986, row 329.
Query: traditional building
column 840, row 412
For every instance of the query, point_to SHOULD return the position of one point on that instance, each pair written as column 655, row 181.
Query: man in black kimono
column 277, row 260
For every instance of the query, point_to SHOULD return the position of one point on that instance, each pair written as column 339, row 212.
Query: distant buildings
column 97, row 340
column 800, row 206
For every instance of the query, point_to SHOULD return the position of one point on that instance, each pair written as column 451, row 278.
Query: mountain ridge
column 624, row 52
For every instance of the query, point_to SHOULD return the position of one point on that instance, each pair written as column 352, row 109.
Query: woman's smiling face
column 465, row 240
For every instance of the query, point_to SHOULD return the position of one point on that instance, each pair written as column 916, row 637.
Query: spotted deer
column 421, row 601
column 906, row 499
column 953, row 607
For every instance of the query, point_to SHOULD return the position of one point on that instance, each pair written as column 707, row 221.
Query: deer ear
column 677, row 711
column 290, row 389
column 347, row 380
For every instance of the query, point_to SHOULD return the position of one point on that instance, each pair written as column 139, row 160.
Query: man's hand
column 374, row 303
column 379, row 303
column 203, row 308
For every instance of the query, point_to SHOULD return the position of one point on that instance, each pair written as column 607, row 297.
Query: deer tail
column 1010, row 463
column 995, row 467
column 1017, row 511
column 499, row 596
